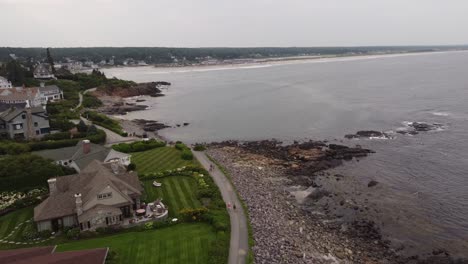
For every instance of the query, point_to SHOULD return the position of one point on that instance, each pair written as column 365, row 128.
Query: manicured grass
column 9, row 221
column 178, row 192
column 159, row 159
column 183, row 243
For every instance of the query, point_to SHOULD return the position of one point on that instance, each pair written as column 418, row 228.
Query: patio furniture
column 157, row 184
column 140, row 212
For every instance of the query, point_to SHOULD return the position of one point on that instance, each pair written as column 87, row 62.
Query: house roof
column 19, row 93
column 45, row 255
column 49, row 88
column 13, row 112
column 75, row 153
column 89, row 183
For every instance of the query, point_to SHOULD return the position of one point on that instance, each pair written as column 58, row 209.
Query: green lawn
column 178, row 192
column 9, row 221
column 183, row 243
column 159, row 159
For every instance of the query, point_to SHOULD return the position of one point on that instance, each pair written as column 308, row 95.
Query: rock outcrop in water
column 368, row 134
column 414, row 128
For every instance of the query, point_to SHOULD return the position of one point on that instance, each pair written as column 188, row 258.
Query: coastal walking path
column 111, row 137
column 80, row 94
column 239, row 245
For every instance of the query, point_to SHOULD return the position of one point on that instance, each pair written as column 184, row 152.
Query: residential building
column 35, row 95
column 101, row 195
column 81, row 155
column 21, row 95
column 4, row 83
column 47, row 254
column 43, row 71
column 24, row 122
column 50, row 93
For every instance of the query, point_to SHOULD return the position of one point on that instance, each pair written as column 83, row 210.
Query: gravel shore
column 301, row 212
column 283, row 232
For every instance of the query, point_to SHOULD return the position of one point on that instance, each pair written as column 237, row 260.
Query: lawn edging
column 250, row 256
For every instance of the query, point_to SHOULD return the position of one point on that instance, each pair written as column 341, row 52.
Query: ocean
column 422, row 194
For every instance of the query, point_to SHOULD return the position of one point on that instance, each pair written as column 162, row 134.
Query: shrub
column 199, row 147
column 91, row 101
column 13, row 148
column 131, row 167
column 104, row 121
column 82, row 127
column 149, row 225
column 193, row 215
column 139, row 146
column 40, row 145
column 218, row 219
column 61, row 124
column 57, row 136
column 180, row 146
column 73, row 233
column 112, row 257
column 108, row 230
column 187, row 154
column 27, row 171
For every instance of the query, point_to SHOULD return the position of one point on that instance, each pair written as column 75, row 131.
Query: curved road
column 239, row 244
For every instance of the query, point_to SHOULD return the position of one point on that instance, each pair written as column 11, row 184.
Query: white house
column 79, row 156
column 50, row 93
column 4, row 83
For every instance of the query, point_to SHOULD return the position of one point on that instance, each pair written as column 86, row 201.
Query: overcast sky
column 232, row 23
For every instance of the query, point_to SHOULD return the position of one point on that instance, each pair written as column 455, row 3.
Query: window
column 37, row 132
column 36, row 124
column 2, row 126
column 17, row 126
column 23, row 116
column 104, row 196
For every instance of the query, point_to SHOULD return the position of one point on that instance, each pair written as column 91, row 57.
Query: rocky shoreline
column 280, row 184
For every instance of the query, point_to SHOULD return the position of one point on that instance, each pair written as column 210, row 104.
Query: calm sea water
column 423, row 178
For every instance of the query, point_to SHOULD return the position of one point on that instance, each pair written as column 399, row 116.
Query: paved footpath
column 239, row 244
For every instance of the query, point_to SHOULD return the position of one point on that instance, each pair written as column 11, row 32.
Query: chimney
column 79, row 204
column 52, row 185
column 86, row 146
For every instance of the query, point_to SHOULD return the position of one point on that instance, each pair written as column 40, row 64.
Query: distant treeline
column 167, row 55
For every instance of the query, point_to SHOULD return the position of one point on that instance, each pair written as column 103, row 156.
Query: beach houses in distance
column 43, row 71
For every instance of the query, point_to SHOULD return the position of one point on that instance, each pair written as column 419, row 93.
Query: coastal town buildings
column 4, row 83
column 36, row 96
column 43, row 71
column 23, row 122
column 101, row 195
column 50, row 93
column 81, row 155
column 21, row 95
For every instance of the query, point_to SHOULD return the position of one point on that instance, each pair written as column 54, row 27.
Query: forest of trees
column 166, row 55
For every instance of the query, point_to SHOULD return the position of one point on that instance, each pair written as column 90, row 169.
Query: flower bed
column 9, row 201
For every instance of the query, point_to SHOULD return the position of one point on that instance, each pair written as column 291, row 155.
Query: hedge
column 105, row 121
column 139, row 146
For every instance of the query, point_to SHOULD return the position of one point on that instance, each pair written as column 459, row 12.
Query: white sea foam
column 441, row 113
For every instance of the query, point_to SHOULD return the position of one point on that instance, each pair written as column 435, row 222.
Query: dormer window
column 104, row 196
